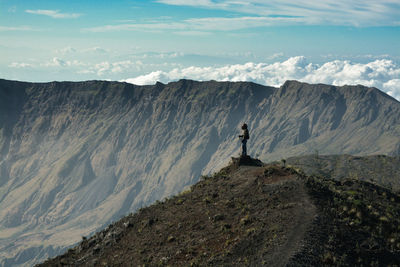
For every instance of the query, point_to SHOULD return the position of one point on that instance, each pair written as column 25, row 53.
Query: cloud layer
column 334, row 12
column 202, row 25
column 54, row 14
column 260, row 13
column 383, row 73
column 16, row 28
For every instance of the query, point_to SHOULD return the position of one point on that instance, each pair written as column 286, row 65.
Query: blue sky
column 43, row 40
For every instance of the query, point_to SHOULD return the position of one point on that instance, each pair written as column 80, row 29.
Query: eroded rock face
column 75, row 156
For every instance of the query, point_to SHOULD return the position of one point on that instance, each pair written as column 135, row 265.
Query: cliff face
column 75, row 156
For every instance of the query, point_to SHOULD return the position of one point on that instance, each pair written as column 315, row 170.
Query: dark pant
column 244, row 147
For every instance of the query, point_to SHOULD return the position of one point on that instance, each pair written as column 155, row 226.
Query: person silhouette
column 244, row 137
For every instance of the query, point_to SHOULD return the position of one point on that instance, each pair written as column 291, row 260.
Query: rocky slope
column 75, row 156
column 379, row 169
column 254, row 216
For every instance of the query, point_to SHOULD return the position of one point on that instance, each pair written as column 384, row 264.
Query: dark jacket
column 246, row 134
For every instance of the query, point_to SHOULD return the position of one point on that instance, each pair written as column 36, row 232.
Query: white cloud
column 106, row 68
column 198, row 3
column 154, row 26
column 392, row 87
column 200, row 25
column 383, row 74
column 276, row 55
column 150, row 78
column 230, row 24
column 20, row 65
column 192, row 33
column 54, row 14
column 16, row 28
column 158, row 55
column 66, row 50
column 71, row 50
column 76, row 66
column 55, row 62
column 61, row 63
column 262, row 14
column 336, row 12
column 96, row 49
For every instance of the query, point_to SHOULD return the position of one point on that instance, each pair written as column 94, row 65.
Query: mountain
column 253, row 216
column 77, row 155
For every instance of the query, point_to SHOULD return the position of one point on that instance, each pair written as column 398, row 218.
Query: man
column 244, row 137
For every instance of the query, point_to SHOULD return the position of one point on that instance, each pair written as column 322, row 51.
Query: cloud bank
column 382, row 73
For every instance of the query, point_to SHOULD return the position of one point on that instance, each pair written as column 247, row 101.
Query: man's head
column 244, row 126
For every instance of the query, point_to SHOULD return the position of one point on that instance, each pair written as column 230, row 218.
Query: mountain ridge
column 258, row 215
column 78, row 152
column 379, row 169
column 211, row 223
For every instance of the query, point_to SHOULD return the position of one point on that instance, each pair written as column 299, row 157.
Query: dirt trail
column 241, row 216
column 296, row 208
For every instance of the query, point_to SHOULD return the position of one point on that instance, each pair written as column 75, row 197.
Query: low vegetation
column 358, row 224
column 269, row 215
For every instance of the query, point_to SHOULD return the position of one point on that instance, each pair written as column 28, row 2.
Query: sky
column 265, row 41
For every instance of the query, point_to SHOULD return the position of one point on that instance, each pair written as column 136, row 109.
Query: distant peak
column 292, row 83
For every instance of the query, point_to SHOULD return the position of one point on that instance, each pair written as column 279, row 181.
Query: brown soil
column 254, row 216
column 244, row 215
column 358, row 224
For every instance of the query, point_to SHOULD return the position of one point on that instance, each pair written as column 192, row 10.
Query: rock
column 91, row 242
column 97, row 249
column 218, row 217
column 128, row 224
column 246, row 160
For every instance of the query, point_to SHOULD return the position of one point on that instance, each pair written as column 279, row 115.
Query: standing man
column 244, row 137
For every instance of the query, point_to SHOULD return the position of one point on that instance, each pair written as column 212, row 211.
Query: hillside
column 253, row 216
column 379, row 169
column 75, row 156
